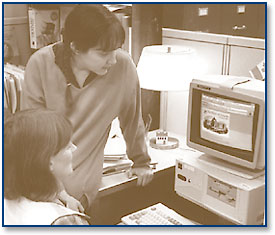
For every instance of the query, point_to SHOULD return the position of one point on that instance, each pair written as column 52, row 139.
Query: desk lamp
column 165, row 68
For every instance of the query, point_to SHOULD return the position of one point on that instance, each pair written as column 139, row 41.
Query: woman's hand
column 144, row 175
column 70, row 201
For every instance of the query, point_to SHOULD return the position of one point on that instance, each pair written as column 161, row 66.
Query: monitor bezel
column 229, row 93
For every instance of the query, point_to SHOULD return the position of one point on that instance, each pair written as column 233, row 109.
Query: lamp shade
column 166, row 67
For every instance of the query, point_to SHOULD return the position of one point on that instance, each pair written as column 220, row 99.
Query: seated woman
column 37, row 155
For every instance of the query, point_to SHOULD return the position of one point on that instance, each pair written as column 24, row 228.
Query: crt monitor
column 226, row 120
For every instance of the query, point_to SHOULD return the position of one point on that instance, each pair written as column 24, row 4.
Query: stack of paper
column 115, row 157
column 113, row 167
column 115, row 146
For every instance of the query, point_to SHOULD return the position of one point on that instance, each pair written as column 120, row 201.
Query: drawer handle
column 239, row 27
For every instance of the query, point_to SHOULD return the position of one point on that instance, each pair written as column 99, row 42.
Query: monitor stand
column 231, row 168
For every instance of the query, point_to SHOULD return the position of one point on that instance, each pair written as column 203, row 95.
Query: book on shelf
column 13, row 79
column 44, row 27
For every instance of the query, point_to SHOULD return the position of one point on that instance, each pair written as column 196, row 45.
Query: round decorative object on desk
column 172, row 143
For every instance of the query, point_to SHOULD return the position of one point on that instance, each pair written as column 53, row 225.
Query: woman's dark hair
column 93, row 25
column 31, row 138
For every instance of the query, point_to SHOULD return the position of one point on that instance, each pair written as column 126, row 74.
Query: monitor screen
column 224, row 123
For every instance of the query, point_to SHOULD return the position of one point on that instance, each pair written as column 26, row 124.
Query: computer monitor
column 226, row 121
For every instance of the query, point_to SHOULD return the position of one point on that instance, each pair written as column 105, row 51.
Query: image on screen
column 224, row 124
column 227, row 122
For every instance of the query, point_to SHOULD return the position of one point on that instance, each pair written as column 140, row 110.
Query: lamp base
column 171, row 143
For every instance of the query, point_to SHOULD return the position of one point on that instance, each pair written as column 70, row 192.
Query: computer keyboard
column 157, row 214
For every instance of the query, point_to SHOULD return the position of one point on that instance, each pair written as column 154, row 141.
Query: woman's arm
column 73, row 219
column 70, row 201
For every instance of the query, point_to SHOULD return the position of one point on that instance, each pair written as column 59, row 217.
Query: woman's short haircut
column 31, row 138
column 93, row 25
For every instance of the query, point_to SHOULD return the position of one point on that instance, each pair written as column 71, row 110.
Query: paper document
column 115, row 146
column 111, row 167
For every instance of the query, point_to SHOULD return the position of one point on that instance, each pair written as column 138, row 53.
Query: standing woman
column 37, row 156
column 91, row 80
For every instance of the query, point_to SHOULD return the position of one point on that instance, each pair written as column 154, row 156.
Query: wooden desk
column 165, row 160
column 119, row 195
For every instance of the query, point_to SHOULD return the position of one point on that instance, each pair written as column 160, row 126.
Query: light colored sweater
column 26, row 212
column 116, row 94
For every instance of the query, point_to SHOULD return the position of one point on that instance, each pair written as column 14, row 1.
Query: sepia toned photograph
column 134, row 115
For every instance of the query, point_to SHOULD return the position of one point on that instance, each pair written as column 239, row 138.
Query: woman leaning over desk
column 91, row 80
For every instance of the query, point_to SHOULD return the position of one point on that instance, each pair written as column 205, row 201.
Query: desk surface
column 165, row 159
